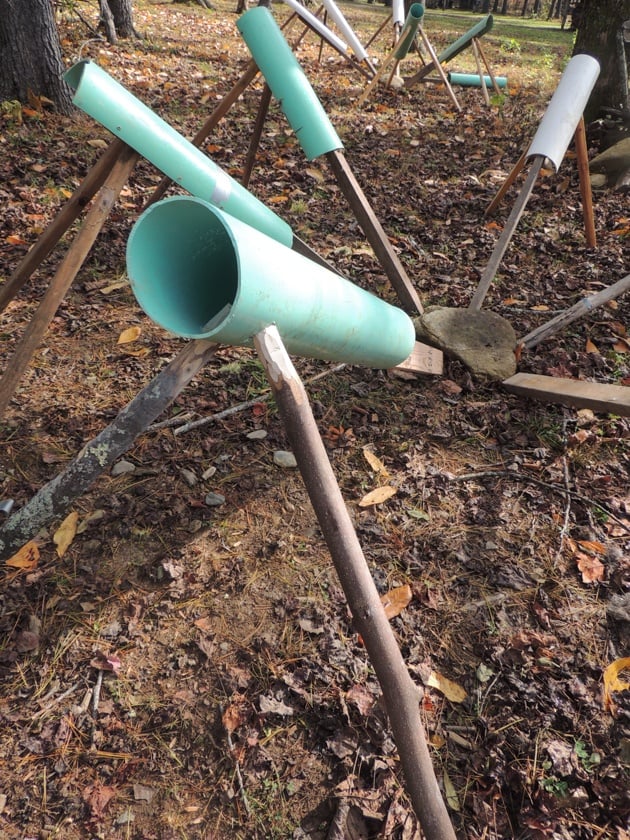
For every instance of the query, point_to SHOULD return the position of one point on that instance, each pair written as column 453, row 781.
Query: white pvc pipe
column 398, row 12
column 321, row 28
column 345, row 29
column 563, row 113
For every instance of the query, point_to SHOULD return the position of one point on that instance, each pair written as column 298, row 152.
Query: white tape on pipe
column 563, row 113
column 345, row 29
column 326, row 33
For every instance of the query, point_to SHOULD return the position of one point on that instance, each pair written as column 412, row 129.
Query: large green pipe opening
column 409, row 30
column 201, row 273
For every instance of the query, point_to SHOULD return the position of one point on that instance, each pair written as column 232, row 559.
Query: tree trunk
column 30, row 54
column 122, row 12
column 599, row 34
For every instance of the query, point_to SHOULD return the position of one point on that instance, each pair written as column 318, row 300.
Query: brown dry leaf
column 235, row 714
column 590, row 347
column 591, row 567
column 375, row 462
column 377, row 496
column 15, row 239
column 593, row 546
column 129, row 335
column 451, row 690
column 140, row 354
column 26, row 558
column 452, row 800
column 396, row 600
column 66, row 532
column 621, row 346
column 106, row 662
column 613, row 683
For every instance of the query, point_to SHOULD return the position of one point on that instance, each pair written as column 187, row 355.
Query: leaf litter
column 172, row 642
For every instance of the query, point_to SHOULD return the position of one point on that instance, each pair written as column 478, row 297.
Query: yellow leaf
column 377, row 465
column 613, row 683
column 316, row 174
column 452, row 800
column 375, row 497
column 396, row 600
column 64, row 535
column 129, row 335
column 451, row 690
column 26, row 558
column 113, row 287
column 140, row 354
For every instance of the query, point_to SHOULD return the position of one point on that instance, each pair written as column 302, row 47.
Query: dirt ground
column 186, row 667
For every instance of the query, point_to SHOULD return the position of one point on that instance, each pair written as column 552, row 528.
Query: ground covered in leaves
column 184, row 665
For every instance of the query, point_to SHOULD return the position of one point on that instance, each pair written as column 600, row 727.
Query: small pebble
column 284, row 459
column 122, row 467
column 209, row 473
column 257, row 434
column 189, row 477
column 215, row 499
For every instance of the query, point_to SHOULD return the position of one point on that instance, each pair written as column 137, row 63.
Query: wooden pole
column 369, row 619
column 374, row 232
column 482, row 77
column 505, row 186
column 70, row 211
column 495, row 85
column 585, row 183
column 254, row 142
column 433, row 56
column 504, row 240
column 65, row 274
column 582, row 307
column 56, row 497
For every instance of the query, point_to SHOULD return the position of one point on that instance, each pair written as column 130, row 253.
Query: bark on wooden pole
column 399, row 692
column 56, row 497
column 65, row 274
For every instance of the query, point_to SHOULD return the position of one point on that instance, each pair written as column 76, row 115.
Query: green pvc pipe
column 476, row 31
column 412, row 22
column 201, row 273
column 474, row 80
column 288, row 83
column 108, row 102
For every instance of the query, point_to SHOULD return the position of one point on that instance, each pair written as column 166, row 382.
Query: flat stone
column 122, row 467
column 215, row 499
column 482, row 340
column 257, row 434
column 611, row 168
column 284, row 459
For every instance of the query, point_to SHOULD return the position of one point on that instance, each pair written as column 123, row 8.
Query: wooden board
column 612, row 399
column 423, row 359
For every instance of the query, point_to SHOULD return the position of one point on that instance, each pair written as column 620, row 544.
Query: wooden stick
column 495, row 84
column 70, row 211
column 585, row 183
column 378, row 31
column 504, row 240
column 518, row 166
column 374, row 232
column 482, row 77
column 369, row 619
column 254, row 142
column 65, row 274
column 611, row 399
column 583, row 307
column 56, row 497
column 441, row 72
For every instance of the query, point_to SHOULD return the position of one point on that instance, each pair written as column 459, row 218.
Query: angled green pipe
column 476, row 31
column 288, row 83
column 108, row 102
column 412, row 22
column 201, row 273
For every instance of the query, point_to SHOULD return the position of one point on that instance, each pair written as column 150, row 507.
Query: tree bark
column 30, row 54
column 56, row 497
column 599, row 34
column 122, row 12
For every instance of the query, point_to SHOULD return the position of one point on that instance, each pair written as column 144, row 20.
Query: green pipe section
column 288, row 83
column 108, row 102
column 201, row 273
column 412, row 22
column 474, row 80
column 476, row 31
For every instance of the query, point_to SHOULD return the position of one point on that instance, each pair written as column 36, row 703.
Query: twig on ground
column 49, row 700
column 524, row 477
column 96, row 696
column 235, row 409
column 237, row 768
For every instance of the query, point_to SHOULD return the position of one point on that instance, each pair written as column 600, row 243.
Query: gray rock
column 482, row 340
column 215, row 499
column 257, row 434
column 612, row 167
column 122, row 467
column 284, row 459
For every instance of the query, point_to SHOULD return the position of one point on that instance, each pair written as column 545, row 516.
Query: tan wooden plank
column 612, row 399
column 423, row 359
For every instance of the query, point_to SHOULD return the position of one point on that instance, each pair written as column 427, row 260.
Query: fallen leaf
column 362, row 698
column 66, row 532
column 613, row 683
column 97, row 797
column 141, row 353
column 375, row 462
column 396, row 600
column 235, row 714
column 591, row 567
column 621, row 346
column 26, row 558
column 452, row 800
column 106, row 662
column 129, row 335
column 14, row 239
column 377, row 496
column 316, row 174
column 451, row 690
column 590, row 347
